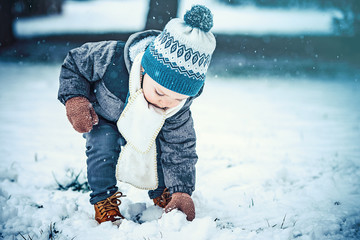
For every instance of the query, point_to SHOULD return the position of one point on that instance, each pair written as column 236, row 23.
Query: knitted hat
column 179, row 57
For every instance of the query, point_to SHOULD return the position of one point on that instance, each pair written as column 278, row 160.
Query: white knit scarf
column 139, row 124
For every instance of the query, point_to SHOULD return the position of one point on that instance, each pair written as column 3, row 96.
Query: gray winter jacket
column 100, row 72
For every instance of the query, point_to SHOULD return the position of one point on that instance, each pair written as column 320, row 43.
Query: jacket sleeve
column 178, row 156
column 82, row 66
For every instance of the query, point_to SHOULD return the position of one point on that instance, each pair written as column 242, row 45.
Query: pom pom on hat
column 199, row 17
column 179, row 57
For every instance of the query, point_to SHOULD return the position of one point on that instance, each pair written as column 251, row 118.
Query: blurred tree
column 9, row 9
column 6, row 26
column 349, row 23
column 160, row 12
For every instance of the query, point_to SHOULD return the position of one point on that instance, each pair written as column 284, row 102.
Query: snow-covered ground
column 278, row 159
column 130, row 15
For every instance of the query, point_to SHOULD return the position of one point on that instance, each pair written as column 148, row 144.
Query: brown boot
column 163, row 199
column 108, row 209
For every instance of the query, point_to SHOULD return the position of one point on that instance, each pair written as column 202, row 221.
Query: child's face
column 160, row 96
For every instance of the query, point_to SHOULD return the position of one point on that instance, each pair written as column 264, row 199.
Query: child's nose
column 160, row 103
column 165, row 103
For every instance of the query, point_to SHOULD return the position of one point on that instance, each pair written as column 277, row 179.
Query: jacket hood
column 137, row 43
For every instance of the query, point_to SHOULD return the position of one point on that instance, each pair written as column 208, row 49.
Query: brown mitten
column 184, row 203
column 81, row 114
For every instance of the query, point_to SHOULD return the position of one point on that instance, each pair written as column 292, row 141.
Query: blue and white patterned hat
column 179, row 57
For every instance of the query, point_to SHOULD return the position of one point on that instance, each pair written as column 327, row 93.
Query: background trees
column 10, row 9
column 6, row 20
column 160, row 12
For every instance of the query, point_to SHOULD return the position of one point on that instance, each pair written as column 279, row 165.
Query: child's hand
column 184, row 203
column 81, row 114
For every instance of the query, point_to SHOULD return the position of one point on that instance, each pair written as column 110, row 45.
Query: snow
column 278, row 159
column 125, row 15
column 87, row 17
column 254, row 20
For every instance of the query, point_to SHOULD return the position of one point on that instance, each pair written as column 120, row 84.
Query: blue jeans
column 103, row 146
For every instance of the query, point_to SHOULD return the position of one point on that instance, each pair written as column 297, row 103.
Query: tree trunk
column 160, row 13
column 6, row 23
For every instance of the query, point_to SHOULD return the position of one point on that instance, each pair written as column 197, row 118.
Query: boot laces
column 111, row 203
column 163, row 199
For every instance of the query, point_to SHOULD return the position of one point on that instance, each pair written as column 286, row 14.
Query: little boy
column 167, row 70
